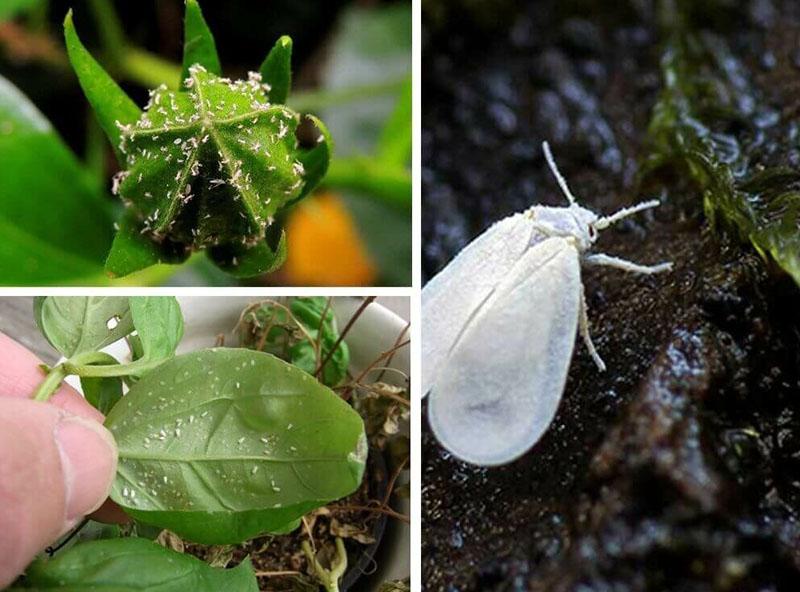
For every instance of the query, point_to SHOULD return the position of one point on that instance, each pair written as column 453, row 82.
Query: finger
column 55, row 467
column 20, row 374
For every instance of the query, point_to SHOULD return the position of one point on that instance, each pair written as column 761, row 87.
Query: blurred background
column 351, row 67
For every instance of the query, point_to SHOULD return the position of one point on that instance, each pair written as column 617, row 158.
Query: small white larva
column 499, row 324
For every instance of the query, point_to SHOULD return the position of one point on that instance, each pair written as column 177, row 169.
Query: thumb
column 55, row 467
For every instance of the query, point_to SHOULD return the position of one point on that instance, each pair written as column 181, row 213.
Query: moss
column 713, row 124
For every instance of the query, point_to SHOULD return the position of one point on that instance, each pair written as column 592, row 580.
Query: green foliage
column 77, row 324
column 159, row 325
column 79, row 327
column 706, row 92
column 221, row 445
column 110, row 103
column 206, row 167
column 129, row 564
column 372, row 166
column 298, row 335
column 11, row 8
column 276, row 70
column 54, row 232
column 199, row 46
column 102, row 393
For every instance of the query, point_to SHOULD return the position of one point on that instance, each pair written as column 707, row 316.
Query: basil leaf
column 159, row 325
column 102, row 392
column 126, row 564
column 112, row 106
column 223, row 444
column 291, row 344
column 276, row 70
column 308, row 310
column 198, row 45
column 77, row 324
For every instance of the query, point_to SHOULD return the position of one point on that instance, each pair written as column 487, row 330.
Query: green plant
column 304, row 334
column 209, row 166
column 134, row 564
column 703, row 126
column 218, row 445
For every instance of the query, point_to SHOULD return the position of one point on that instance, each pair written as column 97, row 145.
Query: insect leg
column 603, row 259
column 583, row 327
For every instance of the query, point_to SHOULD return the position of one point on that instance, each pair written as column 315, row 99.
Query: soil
column 279, row 554
column 679, row 467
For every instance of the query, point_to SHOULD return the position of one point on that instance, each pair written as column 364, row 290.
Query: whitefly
column 499, row 325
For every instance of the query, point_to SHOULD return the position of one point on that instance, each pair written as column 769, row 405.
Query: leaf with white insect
column 221, row 445
column 212, row 165
column 206, row 167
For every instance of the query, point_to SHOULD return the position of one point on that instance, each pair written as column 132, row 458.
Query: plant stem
column 367, row 301
column 149, row 70
column 110, row 30
column 83, row 367
column 391, row 184
column 50, row 384
column 328, row 578
column 320, row 99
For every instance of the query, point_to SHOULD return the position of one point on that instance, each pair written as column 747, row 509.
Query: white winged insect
column 499, row 324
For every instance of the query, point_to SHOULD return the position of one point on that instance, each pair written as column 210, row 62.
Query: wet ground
column 678, row 468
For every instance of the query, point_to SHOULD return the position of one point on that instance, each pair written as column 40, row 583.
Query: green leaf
column 316, row 160
column 131, row 251
column 198, row 46
column 103, row 392
column 394, row 143
column 308, row 310
column 11, row 8
column 699, row 99
column 159, row 325
column 112, row 106
column 77, row 324
column 276, row 70
column 247, row 261
column 128, row 564
column 54, row 232
column 211, row 167
column 297, row 345
column 221, row 445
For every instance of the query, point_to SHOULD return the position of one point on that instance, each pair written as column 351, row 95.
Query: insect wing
column 452, row 298
column 499, row 389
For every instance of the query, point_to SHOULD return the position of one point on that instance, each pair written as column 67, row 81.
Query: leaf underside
column 206, row 167
column 127, row 564
column 211, row 167
column 77, row 324
column 224, row 444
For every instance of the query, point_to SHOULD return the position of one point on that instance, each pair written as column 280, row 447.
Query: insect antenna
column 607, row 221
column 562, row 182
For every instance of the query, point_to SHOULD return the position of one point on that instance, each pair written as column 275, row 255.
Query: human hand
column 57, row 461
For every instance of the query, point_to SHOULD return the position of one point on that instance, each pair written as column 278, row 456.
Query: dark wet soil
column 678, row 468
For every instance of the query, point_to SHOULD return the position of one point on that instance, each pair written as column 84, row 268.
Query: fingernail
column 89, row 462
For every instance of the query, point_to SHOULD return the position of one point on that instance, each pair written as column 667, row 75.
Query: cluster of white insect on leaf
column 499, row 325
column 217, row 139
